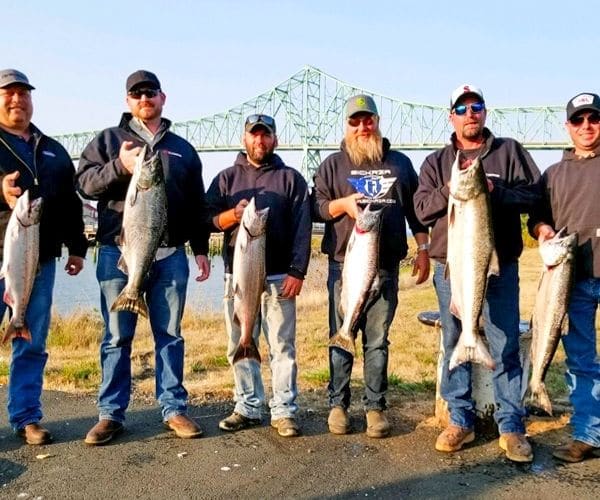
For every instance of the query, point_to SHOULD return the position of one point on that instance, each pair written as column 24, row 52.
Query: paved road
column 149, row 462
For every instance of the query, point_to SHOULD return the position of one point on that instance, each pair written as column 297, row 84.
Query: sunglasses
column 138, row 93
column 592, row 119
column 476, row 107
column 355, row 121
column 264, row 119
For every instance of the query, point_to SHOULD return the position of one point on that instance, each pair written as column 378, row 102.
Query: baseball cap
column 583, row 101
column 141, row 76
column 464, row 90
column 360, row 104
column 12, row 76
column 257, row 120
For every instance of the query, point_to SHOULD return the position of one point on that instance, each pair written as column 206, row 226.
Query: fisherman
column 261, row 174
column 511, row 175
column 569, row 194
column 366, row 170
column 30, row 160
column 104, row 174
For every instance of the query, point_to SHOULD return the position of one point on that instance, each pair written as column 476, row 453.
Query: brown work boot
column 236, row 422
column 184, row 427
column 576, row 451
column 338, row 421
column 453, row 438
column 103, row 432
column 378, row 425
column 286, row 427
column 35, row 434
column 516, row 446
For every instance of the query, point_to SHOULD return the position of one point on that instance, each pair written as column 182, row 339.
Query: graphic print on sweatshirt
column 374, row 184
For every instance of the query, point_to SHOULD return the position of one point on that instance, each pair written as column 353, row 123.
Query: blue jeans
column 374, row 326
column 29, row 359
column 278, row 319
column 583, row 375
column 165, row 289
column 501, row 325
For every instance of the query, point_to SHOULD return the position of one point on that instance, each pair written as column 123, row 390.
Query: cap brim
column 18, row 82
column 583, row 108
column 145, row 83
column 254, row 126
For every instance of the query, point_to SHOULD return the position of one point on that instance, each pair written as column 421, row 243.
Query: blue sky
column 211, row 56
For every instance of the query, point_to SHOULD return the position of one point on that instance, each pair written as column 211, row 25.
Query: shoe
column 453, row 438
column 236, row 422
column 338, row 421
column 576, row 451
column 286, row 427
column 35, row 434
column 184, row 427
column 103, row 432
column 378, row 425
column 516, row 446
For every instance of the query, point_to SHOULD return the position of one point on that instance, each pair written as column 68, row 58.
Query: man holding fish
column 262, row 207
column 365, row 246
column 37, row 185
column 471, row 193
column 148, row 184
column 569, row 203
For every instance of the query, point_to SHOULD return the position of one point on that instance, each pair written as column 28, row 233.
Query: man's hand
column 544, row 232
column 74, row 265
column 239, row 209
column 421, row 266
column 203, row 266
column 10, row 190
column 345, row 205
column 128, row 155
column 291, row 287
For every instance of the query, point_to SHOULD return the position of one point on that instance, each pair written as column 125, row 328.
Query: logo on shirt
column 48, row 153
column 374, row 184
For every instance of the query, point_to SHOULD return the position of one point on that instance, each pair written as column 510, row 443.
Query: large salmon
column 471, row 257
column 20, row 262
column 144, row 225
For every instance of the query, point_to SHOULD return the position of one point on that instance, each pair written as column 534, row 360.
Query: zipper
column 24, row 163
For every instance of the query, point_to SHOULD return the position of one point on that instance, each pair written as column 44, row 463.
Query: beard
column 365, row 149
column 259, row 155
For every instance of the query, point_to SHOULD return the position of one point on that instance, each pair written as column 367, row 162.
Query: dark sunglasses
column 592, row 119
column 138, row 93
column 355, row 121
column 266, row 119
column 476, row 107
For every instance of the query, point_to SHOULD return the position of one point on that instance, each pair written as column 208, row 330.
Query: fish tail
column 246, row 352
column 343, row 342
column 474, row 354
column 135, row 305
column 16, row 332
column 540, row 398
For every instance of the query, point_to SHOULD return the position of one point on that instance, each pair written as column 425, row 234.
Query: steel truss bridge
column 308, row 109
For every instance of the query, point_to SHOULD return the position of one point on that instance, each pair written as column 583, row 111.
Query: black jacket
column 102, row 177
column 61, row 221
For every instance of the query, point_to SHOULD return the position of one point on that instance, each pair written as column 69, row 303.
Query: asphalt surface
column 148, row 461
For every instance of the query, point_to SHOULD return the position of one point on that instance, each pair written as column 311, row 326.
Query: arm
column 431, row 196
column 326, row 203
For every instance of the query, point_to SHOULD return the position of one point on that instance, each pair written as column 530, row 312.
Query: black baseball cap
column 581, row 102
column 142, row 77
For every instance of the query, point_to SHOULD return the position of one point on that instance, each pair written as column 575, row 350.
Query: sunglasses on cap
column 476, row 107
column 366, row 120
column 261, row 120
column 138, row 93
column 592, row 119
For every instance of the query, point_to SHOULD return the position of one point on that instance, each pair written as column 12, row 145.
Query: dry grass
column 74, row 340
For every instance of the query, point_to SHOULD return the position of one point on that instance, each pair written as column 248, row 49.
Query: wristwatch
column 422, row 246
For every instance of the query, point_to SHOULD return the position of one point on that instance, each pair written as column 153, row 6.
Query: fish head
column 253, row 220
column 467, row 182
column 368, row 218
column 148, row 171
column 28, row 212
column 558, row 248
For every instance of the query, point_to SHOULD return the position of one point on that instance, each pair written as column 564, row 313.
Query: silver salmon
column 248, row 280
column 144, row 225
column 548, row 321
column 471, row 258
column 20, row 262
column 359, row 275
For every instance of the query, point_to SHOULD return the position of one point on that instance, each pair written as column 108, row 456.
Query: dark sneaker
column 378, row 425
column 453, row 438
column 184, row 427
column 103, row 432
column 516, row 446
column 35, row 434
column 237, row 422
column 338, row 421
column 286, row 427
column 576, row 451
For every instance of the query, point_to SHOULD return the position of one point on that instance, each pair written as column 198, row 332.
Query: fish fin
column 246, row 352
column 135, row 305
column 133, row 198
column 8, row 299
column 455, row 309
column 122, row 265
column 236, row 320
column 476, row 354
column 540, row 398
column 564, row 325
column 451, row 212
column 13, row 332
column 447, row 271
column 343, row 342
column 494, row 265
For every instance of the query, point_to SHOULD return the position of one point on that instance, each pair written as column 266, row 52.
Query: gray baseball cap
column 360, row 104
column 13, row 76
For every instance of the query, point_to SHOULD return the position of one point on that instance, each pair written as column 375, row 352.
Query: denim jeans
column 501, row 325
column 29, row 359
column 583, row 375
column 374, row 326
column 165, row 289
column 277, row 317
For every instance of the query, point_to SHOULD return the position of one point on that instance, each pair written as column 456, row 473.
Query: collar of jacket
column 126, row 118
column 569, row 154
column 242, row 160
column 487, row 135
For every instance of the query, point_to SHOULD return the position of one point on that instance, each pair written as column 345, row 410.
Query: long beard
column 365, row 150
